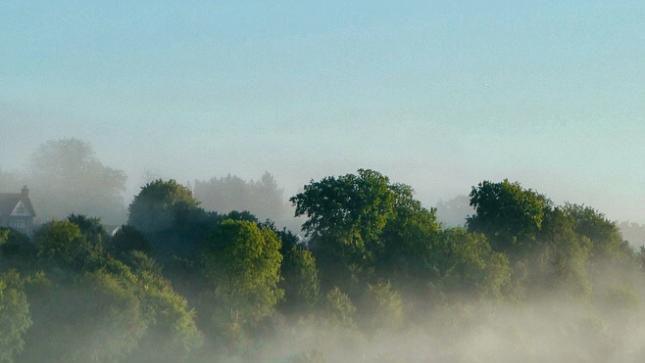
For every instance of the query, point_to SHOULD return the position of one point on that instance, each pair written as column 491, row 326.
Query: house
column 17, row 212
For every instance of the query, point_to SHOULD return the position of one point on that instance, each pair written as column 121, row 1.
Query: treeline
column 67, row 177
column 180, row 283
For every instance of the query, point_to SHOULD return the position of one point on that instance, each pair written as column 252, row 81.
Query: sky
column 436, row 94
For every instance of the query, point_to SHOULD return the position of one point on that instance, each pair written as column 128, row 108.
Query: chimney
column 25, row 192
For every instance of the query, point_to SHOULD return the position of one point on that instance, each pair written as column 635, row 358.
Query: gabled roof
column 8, row 202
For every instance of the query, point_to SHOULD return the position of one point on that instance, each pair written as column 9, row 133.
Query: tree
column 381, row 308
column 90, row 317
column 65, row 176
column 299, row 276
column 241, row 262
column 509, row 215
column 563, row 257
column 605, row 237
column 408, row 240
column 91, row 229
column 62, row 243
column 15, row 317
column 467, row 264
column 354, row 205
column 16, row 251
column 128, row 239
column 345, row 218
column 171, row 331
column 154, row 208
column 339, row 308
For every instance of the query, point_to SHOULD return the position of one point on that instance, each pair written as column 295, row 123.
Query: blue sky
column 437, row 94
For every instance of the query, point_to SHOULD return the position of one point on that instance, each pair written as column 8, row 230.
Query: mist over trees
column 263, row 197
column 633, row 232
column 65, row 176
column 377, row 278
column 453, row 212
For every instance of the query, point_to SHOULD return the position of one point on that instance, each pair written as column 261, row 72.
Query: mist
column 204, row 273
column 320, row 182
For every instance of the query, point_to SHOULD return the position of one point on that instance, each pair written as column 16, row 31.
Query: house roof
column 8, row 202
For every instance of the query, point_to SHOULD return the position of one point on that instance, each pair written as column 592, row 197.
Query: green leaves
column 241, row 262
column 15, row 318
column 153, row 209
column 508, row 214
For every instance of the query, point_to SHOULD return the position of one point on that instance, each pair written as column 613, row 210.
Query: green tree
column 408, row 240
column 563, row 257
column 62, row 243
column 241, row 262
column 468, row 265
column 15, row 317
column 128, row 239
column 381, row 307
column 16, row 251
column 91, row 228
column 154, row 209
column 509, row 215
column 299, row 276
column 171, row 331
column 606, row 239
column 84, row 317
column 345, row 218
column 339, row 308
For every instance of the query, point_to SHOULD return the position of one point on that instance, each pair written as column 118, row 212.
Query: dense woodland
column 180, row 283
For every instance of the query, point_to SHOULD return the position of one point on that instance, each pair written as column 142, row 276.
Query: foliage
column 382, row 307
column 154, row 208
column 507, row 214
column 62, row 243
column 299, row 276
column 180, row 284
column 345, row 218
column 467, row 264
column 339, row 308
column 241, row 261
column 171, row 334
column 15, row 317
column 96, row 317
column 16, row 250
column 606, row 240
column 408, row 240
column 128, row 239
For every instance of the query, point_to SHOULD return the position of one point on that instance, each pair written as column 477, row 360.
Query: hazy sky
column 437, row 94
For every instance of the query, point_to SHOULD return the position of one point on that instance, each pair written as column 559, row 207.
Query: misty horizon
column 322, row 182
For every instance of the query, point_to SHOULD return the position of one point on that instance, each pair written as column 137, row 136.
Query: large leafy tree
column 157, row 205
column 509, row 215
column 346, row 216
column 241, row 261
